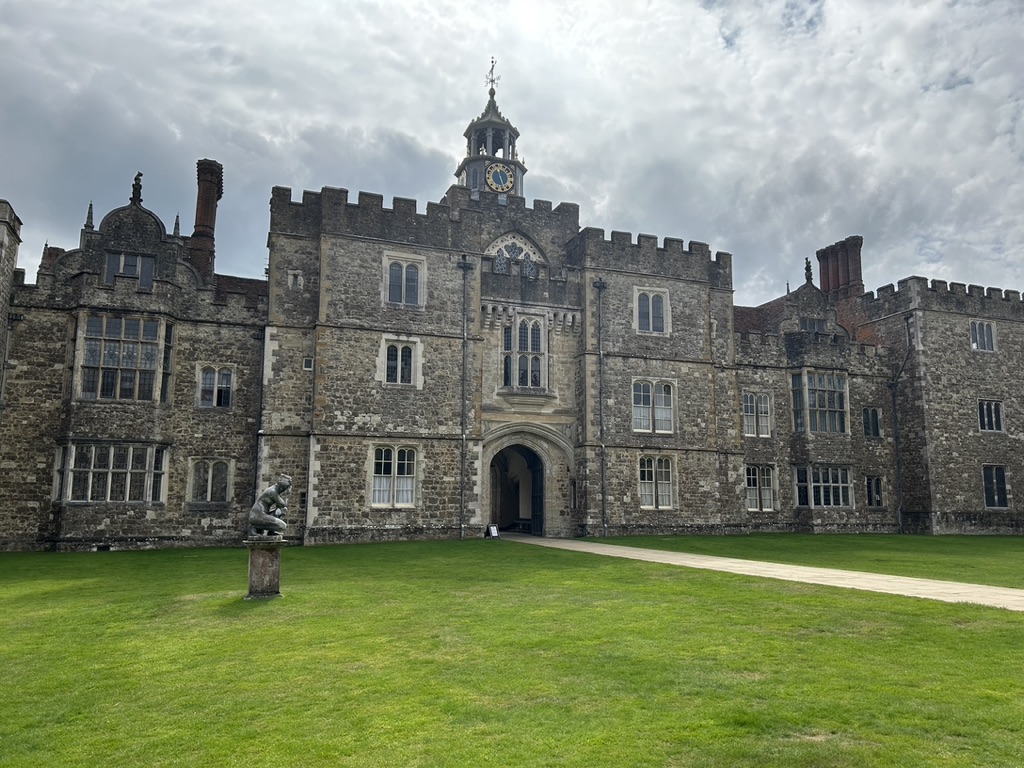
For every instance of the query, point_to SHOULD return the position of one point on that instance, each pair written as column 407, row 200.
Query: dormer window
column 131, row 265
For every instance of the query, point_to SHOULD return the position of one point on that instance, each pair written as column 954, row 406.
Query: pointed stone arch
column 514, row 253
column 527, row 479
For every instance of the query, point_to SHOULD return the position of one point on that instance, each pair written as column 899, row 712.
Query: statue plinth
column 264, row 566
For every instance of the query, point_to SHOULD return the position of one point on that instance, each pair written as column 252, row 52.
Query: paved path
column 930, row 589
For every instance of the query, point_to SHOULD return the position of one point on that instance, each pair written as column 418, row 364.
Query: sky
column 765, row 128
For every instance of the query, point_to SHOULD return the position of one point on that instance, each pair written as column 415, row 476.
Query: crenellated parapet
column 454, row 223
column 73, row 285
column 919, row 293
column 806, row 348
column 592, row 250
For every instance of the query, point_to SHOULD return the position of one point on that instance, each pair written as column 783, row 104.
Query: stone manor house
column 486, row 363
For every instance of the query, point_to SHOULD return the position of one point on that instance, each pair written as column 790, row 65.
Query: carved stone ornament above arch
column 513, row 253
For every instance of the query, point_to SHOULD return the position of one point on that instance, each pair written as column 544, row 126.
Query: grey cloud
column 768, row 128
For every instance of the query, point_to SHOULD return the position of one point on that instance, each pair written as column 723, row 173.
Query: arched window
column 403, row 283
column 399, row 364
column 206, row 381
column 526, row 361
column 756, row 415
column 982, row 336
column 651, row 311
column 395, row 282
column 215, row 387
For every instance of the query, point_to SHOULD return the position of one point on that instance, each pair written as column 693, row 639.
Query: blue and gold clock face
column 500, row 177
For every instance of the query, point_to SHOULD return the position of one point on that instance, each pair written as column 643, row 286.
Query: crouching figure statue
column 265, row 515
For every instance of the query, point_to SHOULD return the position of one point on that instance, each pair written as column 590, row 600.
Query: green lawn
column 491, row 653
column 994, row 560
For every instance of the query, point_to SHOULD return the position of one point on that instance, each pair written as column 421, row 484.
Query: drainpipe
column 465, row 266
column 893, row 389
column 601, row 285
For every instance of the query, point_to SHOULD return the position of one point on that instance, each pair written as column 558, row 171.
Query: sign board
column 492, row 532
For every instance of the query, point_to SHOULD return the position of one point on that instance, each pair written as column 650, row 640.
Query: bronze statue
column 265, row 515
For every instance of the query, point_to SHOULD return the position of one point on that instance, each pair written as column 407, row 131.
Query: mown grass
column 992, row 560
column 489, row 653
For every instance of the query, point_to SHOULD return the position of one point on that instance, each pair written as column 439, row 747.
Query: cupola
column 492, row 163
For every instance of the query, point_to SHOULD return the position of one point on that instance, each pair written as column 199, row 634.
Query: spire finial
column 177, row 225
column 88, row 217
column 807, row 270
column 137, row 189
column 492, row 79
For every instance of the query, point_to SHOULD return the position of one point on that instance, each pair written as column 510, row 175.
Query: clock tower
column 491, row 164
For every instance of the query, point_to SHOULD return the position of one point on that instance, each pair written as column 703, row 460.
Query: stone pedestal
column 264, row 566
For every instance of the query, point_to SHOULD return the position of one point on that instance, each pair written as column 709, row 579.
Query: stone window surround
column 666, row 310
column 653, row 487
column 823, row 485
column 405, row 259
column 153, row 477
column 872, row 417
column 809, row 413
column 141, row 267
column 874, row 491
column 384, row 479
column 159, row 387
column 757, row 414
column 651, row 408
column 511, row 351
column 990, row 415
column 193, row 464
column 400, row 340
column 996, row 488
column 217, row 389
column 760, row 483
column 983, row 336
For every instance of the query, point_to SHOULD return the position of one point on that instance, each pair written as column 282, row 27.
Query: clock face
column 500, row 177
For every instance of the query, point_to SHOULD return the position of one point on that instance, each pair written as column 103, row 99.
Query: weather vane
column 491, row 79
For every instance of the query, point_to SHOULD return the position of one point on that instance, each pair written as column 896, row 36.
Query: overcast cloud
column 767, row 128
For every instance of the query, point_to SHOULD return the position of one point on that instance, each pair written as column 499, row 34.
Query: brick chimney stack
column 839, row 267
column 210, row 183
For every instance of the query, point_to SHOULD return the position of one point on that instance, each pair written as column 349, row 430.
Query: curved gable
column 133, row 228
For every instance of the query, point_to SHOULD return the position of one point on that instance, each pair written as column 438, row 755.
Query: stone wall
column 199, row 325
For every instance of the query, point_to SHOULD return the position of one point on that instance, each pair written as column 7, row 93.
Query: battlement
column 331, row 211
column 768, row 339
column 919, row 293
column 10, row 219
column 671, row 246
column 592, row 249
column 798, row 349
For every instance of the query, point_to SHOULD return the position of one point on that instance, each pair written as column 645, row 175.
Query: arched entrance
column 517, row 490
